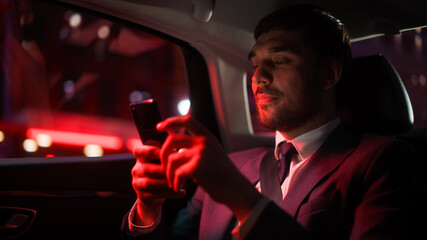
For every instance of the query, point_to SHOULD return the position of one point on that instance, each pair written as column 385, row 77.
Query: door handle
column 15, row 221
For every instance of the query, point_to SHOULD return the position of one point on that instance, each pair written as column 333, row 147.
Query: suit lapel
column 220, row 215
column 251, row 168
column 336, row 148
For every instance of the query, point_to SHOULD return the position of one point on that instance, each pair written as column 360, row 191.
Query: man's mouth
column 265, row 98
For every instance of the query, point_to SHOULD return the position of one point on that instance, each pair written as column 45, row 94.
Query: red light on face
column 132, row 143
column 78, row 139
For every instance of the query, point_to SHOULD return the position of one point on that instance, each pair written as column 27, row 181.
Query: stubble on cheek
column 278, row 116
column 268, row 116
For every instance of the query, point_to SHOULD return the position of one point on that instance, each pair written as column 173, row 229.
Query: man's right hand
column 150, row 184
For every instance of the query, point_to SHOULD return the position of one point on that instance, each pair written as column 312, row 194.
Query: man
column 339, row 185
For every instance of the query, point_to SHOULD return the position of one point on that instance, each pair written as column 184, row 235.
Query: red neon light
column 133, row 143
column 78, row 139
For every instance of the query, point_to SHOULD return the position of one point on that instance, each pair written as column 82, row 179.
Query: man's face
column 286, row 81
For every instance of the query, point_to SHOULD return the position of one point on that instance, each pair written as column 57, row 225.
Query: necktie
column 273, row 172
column 285, row 159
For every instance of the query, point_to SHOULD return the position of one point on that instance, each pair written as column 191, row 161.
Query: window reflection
column 69, row 72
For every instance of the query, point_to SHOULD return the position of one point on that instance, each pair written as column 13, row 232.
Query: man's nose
column 262, row 76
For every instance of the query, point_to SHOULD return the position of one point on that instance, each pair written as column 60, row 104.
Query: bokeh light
column 30, row 145
column 75, row 20
column 93, row 150
column 184, row 106
column 44, row 140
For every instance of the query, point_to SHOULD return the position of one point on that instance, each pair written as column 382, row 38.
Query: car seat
column 376, row 99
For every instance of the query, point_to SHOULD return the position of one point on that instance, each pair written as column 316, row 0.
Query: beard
column 285, row 114
column 271, row 117
column 277, row 119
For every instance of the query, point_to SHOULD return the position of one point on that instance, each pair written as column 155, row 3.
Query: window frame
column 195, row 67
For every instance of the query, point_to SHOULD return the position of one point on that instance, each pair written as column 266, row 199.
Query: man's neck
column 307, row 127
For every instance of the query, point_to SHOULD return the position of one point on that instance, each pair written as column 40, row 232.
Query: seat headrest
column 378, row 100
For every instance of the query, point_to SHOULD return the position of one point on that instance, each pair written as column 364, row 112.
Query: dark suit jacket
column 354, row 187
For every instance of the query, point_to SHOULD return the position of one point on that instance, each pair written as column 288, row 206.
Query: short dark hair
column 326, row 35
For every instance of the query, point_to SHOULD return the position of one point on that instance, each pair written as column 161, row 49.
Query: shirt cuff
column 137, row 230
column 243, row 228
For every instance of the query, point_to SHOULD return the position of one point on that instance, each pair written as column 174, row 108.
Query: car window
column 68, row 77
column 408, row 54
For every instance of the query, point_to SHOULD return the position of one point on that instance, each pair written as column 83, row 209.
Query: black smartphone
column 146, row 115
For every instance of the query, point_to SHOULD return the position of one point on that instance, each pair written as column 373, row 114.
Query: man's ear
column 333, row 73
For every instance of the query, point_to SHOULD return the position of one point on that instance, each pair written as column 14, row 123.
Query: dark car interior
column 43, row 197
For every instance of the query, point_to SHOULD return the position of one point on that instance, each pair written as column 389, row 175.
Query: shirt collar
column 308, row 143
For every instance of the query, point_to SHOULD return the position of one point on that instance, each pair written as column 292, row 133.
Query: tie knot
column 285, row 148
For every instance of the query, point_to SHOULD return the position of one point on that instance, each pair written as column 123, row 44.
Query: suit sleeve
column 274, row 223
column 158, row 233
column 188, row 221
column 185, row 226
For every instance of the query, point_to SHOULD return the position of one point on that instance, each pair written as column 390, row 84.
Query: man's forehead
column 269, row 41
column 277, row 40
column 267, row 45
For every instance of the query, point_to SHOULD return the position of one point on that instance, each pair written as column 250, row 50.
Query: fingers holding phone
column 204, row 161
column 150, row 185
column 149, row 178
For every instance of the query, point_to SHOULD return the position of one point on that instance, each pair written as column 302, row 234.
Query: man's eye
column 254, row 66
column 280, row 62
